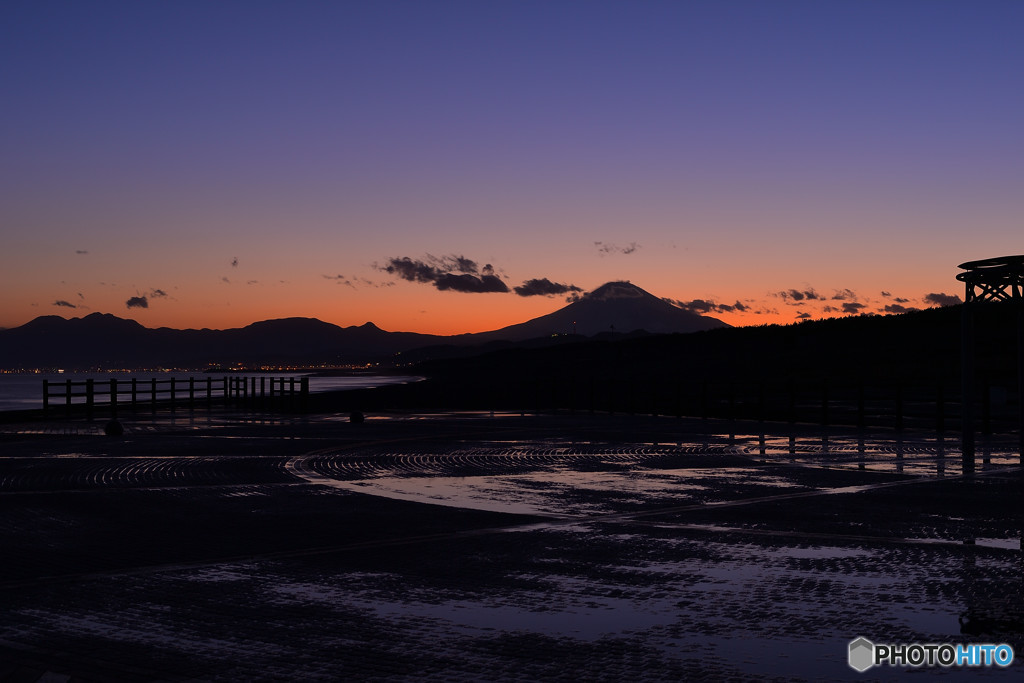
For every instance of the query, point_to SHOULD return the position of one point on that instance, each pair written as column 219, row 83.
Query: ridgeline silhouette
column 104, row 340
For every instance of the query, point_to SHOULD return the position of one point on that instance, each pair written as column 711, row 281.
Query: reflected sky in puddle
column 565, row 492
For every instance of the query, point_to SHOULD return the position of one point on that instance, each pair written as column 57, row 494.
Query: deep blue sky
column 722, row 151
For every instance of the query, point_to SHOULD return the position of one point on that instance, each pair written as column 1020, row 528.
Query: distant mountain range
column 104, row 340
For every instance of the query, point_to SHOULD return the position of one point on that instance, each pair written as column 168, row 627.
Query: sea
column 24, row 391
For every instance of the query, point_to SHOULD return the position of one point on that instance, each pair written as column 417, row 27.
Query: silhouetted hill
column 104, row 340
column 893, row 365
column 614, row 307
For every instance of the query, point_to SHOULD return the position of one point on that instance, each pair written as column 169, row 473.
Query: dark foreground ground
column 507, row 548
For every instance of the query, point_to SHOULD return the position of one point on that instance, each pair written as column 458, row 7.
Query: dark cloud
column 81, row 296
column 449, row 273
column 703, row 306
column 234, row 262
column 137, row 302
column 897, row 308
column 157, row 293
column 605, row 248
column 852, row 307
column 939, row 299
column 845, row 295
column 65, row 304
column 901, row 300
column 253, row 282
column 798, row 294
column 225, row 281
column 411, row 270
column 473, row 284
column 803, row 315
column 81, row 251
column 545, row 287
column 886, row 294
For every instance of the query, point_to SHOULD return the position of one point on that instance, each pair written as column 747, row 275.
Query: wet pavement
column 511, row 548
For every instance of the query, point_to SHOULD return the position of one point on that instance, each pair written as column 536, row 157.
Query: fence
column 287, row 393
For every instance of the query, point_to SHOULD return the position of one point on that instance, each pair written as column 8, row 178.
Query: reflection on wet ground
column 518, row 549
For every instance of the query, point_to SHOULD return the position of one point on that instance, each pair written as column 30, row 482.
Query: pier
column 90, row 395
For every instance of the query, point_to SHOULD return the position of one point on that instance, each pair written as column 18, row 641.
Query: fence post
column 113, row 398
column 227, row 395
column 824, row 403
column 174, row 396
column 135, row 394
column 304, row 388
column 899, row 407
column 861, row 421
column 152, row 393
column 67, row 398
column 191, row 393
column 89, row 397
column 46, row 395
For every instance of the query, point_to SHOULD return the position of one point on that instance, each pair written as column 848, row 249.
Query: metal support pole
column 967, row 387
column 1020, row 379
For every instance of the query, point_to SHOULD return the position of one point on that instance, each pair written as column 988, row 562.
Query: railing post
column 227, row 395
column 113, row 398
column 191, row 393
column 899, row 407
column 46, row 395
column 89, row 398
column 135, row 393
column 967, row 387
column 861, row 421
column 174, row 397
column 152, row 393
column 304, row 388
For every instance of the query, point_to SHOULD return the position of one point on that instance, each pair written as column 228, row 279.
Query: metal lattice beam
column 994, row 279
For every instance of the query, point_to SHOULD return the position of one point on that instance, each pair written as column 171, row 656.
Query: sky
column 448, row 166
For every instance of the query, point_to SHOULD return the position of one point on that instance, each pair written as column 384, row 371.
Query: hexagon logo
column 862, row 654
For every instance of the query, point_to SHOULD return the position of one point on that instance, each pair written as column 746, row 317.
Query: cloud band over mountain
column 457, row 273
column 448, row 273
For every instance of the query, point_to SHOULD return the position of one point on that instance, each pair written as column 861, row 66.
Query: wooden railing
column 204, row 392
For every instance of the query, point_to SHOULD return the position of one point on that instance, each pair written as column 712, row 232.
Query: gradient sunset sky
column 212, row 164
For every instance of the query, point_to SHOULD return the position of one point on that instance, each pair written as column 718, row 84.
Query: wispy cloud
column 845, row 295
column 607, row 248
column 340, row 280
column 64, row 304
